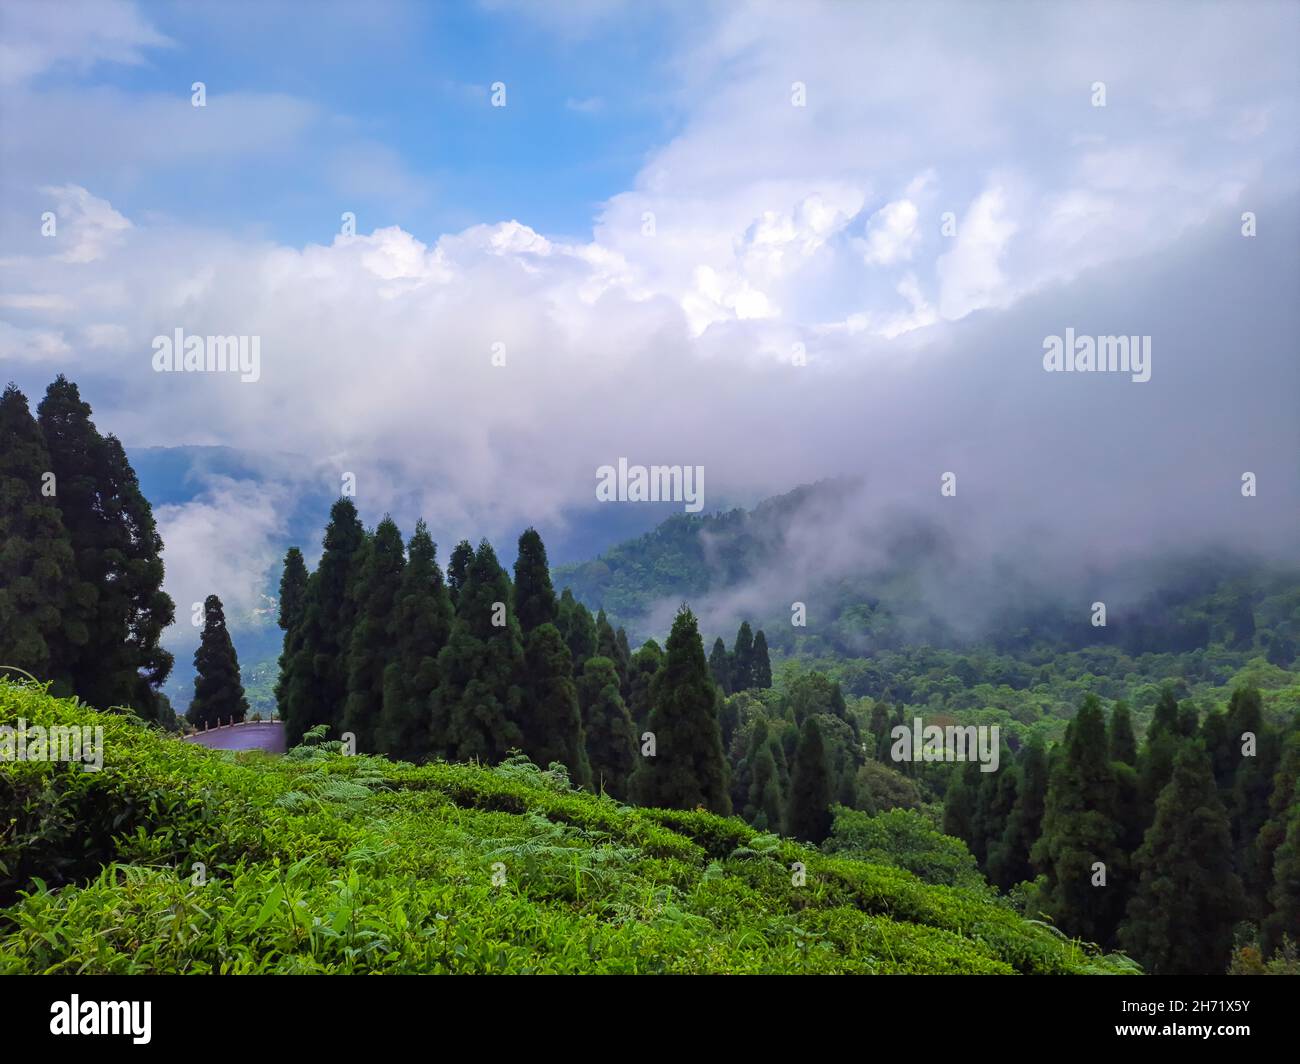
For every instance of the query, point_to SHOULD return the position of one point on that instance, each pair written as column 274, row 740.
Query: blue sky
column 401, row 128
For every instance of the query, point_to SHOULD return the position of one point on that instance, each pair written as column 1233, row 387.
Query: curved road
column 256, row 735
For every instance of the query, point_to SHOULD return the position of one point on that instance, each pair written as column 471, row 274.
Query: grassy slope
column 356, row 864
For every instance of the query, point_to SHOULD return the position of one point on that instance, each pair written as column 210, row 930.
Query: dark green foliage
column 462, row 556
column 552, row 722
column 1080, row 829
column 1188, row 897
column 421, row 625
column 38, row 573
column 880, row 725
column 1283, row 803
column 610, row 734
column 688, row 769
column 372, row 646
column 808, row 814
column 761, row 672
column 478, row 704
column 315, row 686
column 578, row 627
column 742, row 659
column 118, row 552
column 881, row 788
column 1123, row 743
column 1163, row 741
column 607, row 646
column 535, row 602
column 293, row 607
column 720, row 666
column 960, row 801
column 293, row 590
column 644, row 667
column 218, row 692
column 1284, row 895
column 768, row 780
column 1008, row 860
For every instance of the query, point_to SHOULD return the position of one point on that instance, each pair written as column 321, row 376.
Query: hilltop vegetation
column 318, row 862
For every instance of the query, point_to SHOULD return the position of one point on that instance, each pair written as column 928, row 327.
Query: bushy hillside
column 319, row 862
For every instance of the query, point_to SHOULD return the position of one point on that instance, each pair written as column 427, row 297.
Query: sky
column 782, row 242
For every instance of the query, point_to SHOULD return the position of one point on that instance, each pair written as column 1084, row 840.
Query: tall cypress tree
column 1252, row 780
column 218, row 691
column 581, row 635
column 118, row 552
column 1284, row 896
column 552, row 721
column 645, row 666
column 372, row 647
column 809, row 813
column 1284, row 798
column 1080, row 829
column 462, row 556
column 293, row 605
column 1164, row 738
column 38, row 573
column 624, row 663
column 610, row 735
column 315, row 688
column 689, row 768
column 1123, row 743
column 761, row 672
column 421, row 625
column 478, row 705
column 1009, row 859
column 1188, row 897
column 742, row 659
column 720, row 666
column 534, row 596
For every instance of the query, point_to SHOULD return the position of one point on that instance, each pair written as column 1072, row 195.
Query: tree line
column 1167, row 850
column 476, row 662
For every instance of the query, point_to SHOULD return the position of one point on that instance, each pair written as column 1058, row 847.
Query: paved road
column 268, row 736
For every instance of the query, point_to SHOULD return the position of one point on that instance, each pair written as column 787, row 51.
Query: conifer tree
column 761, row 673
column 689, row 768
column 462, row 556
column 1251, row 785
column 422, row 619
column 742, row 660
column 118, row 552
column 293, row 605
column 764, row 805
column 1188, row 897
column 611, row 738
column 316, row 684
column 720, row 666
column 960, row 804
column 808, row 815
column 1164, row 737
column 1081, row 832
column 1009, row 859
column 1123, row 743
column 581, row 634
column 880, row 727
column 372, row 646
column 218, row 691
column 623, row 664
column 1284, row 797
column 1284, row 896
column 552, row 721
column 607, row 647
column 478, row 705
column 38, row 573
column 645, row 666
column 535, row 602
